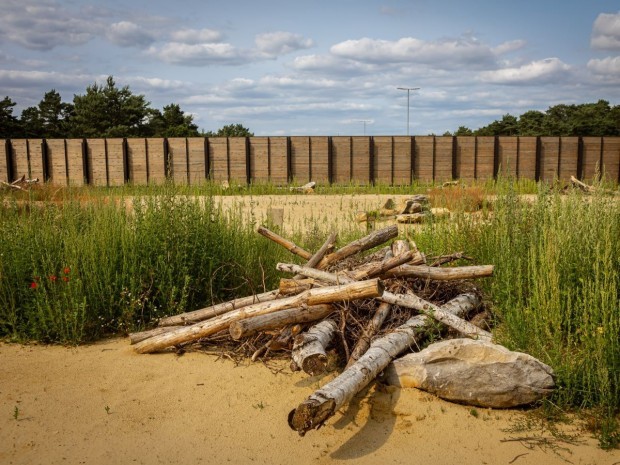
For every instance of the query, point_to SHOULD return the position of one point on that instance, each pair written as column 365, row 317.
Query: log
column 378, row 268
column 441, row 274
column 189, row 318
column 288, row 245
column 309, row 348
column 400, row 247
column 444, row 259
column 408, row 301
column 134, row 338
column 346, row 292
column 373, row 326
column 327, row 247
column 323, row 403
column 411, row 218
column 367, row 242
column 250, row 326
column 292, row 286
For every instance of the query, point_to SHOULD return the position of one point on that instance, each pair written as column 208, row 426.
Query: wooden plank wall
column 396, row 160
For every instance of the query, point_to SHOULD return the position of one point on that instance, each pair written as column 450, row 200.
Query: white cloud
column 535, row 72
column 199, row 54
column 609, row 65
column 128, row 34
column 606, row 32
column 196, row 36
column 280, row 43
column 509, row 46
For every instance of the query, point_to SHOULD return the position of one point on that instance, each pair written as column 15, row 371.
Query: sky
column 318, row 67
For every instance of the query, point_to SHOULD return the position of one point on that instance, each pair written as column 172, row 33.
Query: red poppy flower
column 65, row 279
column 53, row 278
column 67, row 270
column 33, row 285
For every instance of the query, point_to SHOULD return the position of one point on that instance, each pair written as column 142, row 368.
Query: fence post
column 538, row 158
column 8, row 154
column 85, row 166
column 371, row 158
column 45, row 160
column 454, row 158
column 495, row 156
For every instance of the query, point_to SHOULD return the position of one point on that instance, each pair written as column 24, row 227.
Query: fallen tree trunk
column 378, row 268
column 346, row 292
column 292, row 286
column 288, row 245
column 373, row 326
column 441, row 274
column 250, row 326
column 134, row 338
column 408, row 301
column 309, row 348
column 321, row 405
column 189, row 318
column 367, row 242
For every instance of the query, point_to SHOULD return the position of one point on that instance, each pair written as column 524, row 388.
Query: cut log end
column 310, row 415
column 315, row 364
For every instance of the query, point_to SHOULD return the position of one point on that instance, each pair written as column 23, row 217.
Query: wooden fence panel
column 57, row 162
column 402, row 160
column 96, row 162
column 218, row 158
column 443, row 159
column 591, row 162
column 527, row 157
column 75, row 161
column 360, row 159
column 278, row 159
column 196, row 159
column 116, row 162
column 300, row 159
column 319, row 159
column 485, row 157
column 341, row 159
column 19, row 158
column 137, row 161
column 383, row 159
column 611, row 159
column 465, row 157
column 237, row 158
column 424, row 158
column 259, row 159
column 4, row 161
column 37, row 164
column 569, row 155
column 177, row 159
column 156, row 160
column 549, row 158
column 508, row 156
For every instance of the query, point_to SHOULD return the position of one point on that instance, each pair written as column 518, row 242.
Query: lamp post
column 408, row 89
column 364, row 121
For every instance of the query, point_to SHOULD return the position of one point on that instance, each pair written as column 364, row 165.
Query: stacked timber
column 361, row 307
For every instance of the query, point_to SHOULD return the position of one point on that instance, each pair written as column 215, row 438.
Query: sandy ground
column 104, row 404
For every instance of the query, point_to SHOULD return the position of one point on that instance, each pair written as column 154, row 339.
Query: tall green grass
column 75, row 271
column 556, row 289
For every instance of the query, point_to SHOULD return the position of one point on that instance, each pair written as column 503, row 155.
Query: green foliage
column 231, row 130
column 173, row 122
column 50, row 119
column 8, row 123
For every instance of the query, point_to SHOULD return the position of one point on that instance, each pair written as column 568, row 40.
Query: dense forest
column 108, row 111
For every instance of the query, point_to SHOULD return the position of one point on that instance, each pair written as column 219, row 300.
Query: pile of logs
column 413, row 210
column 368, row 310
column 20, row 184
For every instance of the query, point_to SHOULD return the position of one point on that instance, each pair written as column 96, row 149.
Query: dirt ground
column 104, row 404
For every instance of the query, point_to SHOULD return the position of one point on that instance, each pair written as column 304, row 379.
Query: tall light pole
column 408, row 89
column 364, row 121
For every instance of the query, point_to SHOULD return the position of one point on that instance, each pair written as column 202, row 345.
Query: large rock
column 474, row 373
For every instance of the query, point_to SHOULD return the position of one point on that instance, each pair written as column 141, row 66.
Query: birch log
column 351, row 291
column 250, row 326
column 288, row 245
column 321, row 405
column 408, row 301
column 367, row 242
column 373, row 326
column 134, row 338
column 189, row 318
column 309, row 348
column 441, row 274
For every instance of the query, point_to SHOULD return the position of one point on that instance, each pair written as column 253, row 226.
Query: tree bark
column 250, row 326
column 321, row 405
column 309, row 348
column 189, row 318
column 441, row 274
column 373, row 326
column 288, row 245
column 292, row 286
column 377, row 268
column 408, row 301
column 367, row 242
column 351, row 291
column 134, row 338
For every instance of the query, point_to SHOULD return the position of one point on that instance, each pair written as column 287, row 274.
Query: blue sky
column 319, row 67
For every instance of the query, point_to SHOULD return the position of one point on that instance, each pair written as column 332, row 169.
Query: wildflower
column 65, row 279
column 66, row 270
column 53, row 278
column 33, row 285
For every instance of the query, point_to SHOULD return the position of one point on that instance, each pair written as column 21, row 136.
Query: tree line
column 102, row 111
column 586, row 119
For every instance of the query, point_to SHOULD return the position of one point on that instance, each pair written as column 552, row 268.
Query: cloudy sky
column 285, row 67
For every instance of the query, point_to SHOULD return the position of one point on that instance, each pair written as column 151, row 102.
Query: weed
column 107, row 409
column 474, row 413
column 16, row 413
